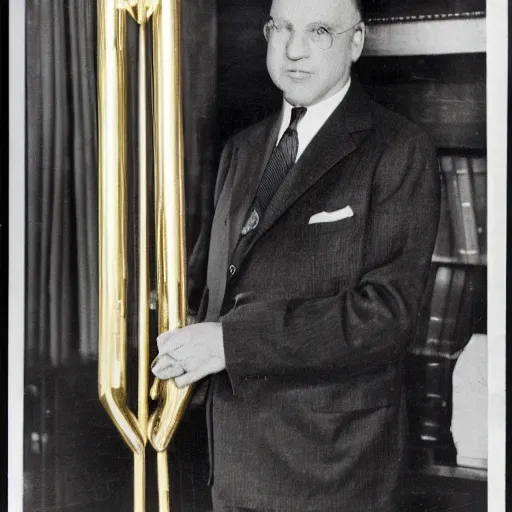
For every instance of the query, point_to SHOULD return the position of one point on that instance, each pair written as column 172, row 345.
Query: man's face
column 305, row 72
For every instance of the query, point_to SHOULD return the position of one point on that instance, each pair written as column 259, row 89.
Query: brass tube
column 143, row 338
column 164, row 498
column 112, row 224
column 170, row 240
column 169, row 227
column 170, row 215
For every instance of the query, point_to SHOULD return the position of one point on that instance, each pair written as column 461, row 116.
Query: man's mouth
column 298, row 74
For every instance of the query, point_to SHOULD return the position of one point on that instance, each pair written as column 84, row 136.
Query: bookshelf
column 427, row 61
column 429, row 35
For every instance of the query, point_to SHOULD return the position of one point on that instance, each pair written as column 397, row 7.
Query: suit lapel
column 249, row 171
column 332, row 143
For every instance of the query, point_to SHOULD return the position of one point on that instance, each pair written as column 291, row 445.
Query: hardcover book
column 467, row 203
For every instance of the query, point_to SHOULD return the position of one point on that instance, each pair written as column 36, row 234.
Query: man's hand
column 190, row 353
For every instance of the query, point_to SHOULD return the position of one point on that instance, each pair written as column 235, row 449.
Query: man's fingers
column 213, row 365
column 166, row 367
column 170, row 372
column 192, row 364
column 169, row 340
column 184, row 352
column 163, row 361
column 190, row 378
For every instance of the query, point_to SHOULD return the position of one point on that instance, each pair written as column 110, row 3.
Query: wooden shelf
column 436, row 351
column 482, row 261
column 432, row 352
column 430, row 37
column 452, row 472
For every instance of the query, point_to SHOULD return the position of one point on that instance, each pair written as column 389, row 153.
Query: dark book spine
column 467, row 203
column 444, row 242
column 479, row 174
column 454, row 205
column 464, row 328
column 448, row 346
column 429, row 409
column 437, row 311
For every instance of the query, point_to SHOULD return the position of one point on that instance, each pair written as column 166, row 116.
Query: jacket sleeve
column 374, row 320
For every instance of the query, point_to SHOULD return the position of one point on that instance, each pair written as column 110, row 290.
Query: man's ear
column 358, row 41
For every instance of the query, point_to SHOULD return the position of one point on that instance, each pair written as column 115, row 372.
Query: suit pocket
column 334, row 226
column 365, row 391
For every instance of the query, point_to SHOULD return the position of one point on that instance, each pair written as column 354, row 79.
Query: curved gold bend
column 169, row 204
column 172, row 404
column 112, row 229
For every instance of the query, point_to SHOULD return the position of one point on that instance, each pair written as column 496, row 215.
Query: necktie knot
column 297, row 114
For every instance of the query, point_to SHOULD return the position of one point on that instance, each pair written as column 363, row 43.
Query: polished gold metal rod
column 170, row 217
column 112, row 101
column 170, row 241
column 112, row 234
column 169, row 226
column 143, row 338
column 112, row 228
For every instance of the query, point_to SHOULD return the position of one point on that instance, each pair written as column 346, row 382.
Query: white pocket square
column 344, row 213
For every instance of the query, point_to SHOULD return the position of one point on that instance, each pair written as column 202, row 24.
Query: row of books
column 451, row 313
column 447, row 406
column 449, row 325
column 462, row 232
column 430, row 408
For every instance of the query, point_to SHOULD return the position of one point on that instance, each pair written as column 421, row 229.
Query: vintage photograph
column 256, row 241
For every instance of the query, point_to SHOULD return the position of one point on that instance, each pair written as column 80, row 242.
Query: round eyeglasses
column 317, row 34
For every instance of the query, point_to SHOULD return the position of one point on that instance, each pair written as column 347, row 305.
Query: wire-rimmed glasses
column 317, row 34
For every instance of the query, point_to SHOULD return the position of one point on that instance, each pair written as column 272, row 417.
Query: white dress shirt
column 313, row 120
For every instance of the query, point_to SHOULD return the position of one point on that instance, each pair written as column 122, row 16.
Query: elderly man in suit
column 325, row 221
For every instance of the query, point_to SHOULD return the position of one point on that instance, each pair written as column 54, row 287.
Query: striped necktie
column 281, row 160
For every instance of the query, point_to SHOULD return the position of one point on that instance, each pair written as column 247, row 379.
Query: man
column 325, row 222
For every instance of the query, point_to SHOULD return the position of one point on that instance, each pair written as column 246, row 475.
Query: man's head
column 312, row 45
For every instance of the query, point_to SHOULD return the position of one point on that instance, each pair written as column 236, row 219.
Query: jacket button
column 232, row 270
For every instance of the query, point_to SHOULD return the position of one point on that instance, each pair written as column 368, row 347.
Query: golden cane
column 168, row 224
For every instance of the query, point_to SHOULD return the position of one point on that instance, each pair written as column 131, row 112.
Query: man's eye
column 321, row 31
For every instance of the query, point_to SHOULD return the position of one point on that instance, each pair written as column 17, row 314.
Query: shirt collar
column 322, row 108
column 313, row 120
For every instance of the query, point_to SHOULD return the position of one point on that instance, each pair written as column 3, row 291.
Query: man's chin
column 298, row 100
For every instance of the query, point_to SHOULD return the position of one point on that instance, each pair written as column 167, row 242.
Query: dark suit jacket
column 310, row 415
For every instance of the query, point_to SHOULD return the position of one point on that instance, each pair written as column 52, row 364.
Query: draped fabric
column 62, row 176
column 62, row 240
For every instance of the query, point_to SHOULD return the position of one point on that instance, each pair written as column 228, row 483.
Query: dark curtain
column 62, row 196
column 74, row 458
column 62, row 239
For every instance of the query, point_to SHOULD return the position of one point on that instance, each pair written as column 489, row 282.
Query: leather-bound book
column 467, row 203
column 454, row 205
column 479, row 174
column 448, row 345
column 438, row 308
column 444, row 246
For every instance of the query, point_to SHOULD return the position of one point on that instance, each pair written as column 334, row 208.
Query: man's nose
column 297, row 46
